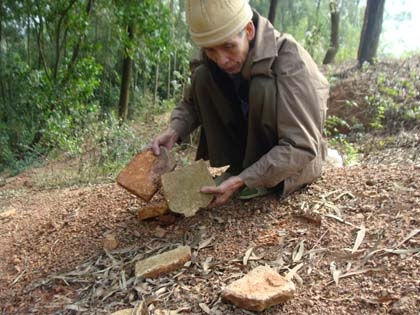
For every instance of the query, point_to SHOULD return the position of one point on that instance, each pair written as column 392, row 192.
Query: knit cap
column 212, row 22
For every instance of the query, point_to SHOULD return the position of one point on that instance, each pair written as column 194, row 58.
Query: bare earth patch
column 353, row 238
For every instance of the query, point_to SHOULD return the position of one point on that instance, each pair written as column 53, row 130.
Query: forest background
column 83, row 79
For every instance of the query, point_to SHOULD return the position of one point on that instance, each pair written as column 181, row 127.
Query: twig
column 18, row 277
column 319, row 240
column 356, row 273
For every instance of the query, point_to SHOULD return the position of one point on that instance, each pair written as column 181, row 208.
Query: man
column 260, row 101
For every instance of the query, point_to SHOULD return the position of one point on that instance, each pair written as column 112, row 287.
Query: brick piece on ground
column 141, row 176
column 181, row 188
column 153, row 210
column 154, row 266
column 259, row 289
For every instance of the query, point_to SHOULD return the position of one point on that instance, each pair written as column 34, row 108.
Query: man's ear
column 250, row 30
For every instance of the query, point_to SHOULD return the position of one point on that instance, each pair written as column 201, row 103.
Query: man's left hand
column 224, row 191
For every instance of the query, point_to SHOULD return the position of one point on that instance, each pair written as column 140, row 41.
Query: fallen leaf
column 359, row 238
column 247, row 255
column 298, row 252
column 335, row 272
column 293, row 272
column 205, row 308
column 205, row 243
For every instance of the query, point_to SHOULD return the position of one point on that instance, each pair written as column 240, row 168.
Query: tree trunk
column 156, row 86
column 335, row 31
column 168, row 88
column 371, row 31
column 2, row 89
column 272, row 11
column 125, row 81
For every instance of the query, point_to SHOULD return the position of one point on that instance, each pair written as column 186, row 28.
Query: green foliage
column 105, row 147
column 60, row 66
column 393, row 101
column 70, row 111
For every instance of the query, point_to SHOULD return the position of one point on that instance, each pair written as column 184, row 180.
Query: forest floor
column 353, row 236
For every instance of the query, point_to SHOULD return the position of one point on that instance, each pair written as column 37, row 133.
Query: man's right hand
column 166, row 139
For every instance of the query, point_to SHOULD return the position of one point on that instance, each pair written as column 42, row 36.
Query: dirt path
column 52, row 260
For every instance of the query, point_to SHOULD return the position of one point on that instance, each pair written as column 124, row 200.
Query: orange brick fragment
column 141, row 176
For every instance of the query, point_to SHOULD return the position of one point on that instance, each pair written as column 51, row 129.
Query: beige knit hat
column 214, row 21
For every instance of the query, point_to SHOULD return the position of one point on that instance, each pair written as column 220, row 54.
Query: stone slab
column 181, row 188
column 260, row 289
column 142, row 174
column 154, row 266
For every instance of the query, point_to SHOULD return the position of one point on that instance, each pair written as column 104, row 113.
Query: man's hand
column 166, row 139
column 224, row 191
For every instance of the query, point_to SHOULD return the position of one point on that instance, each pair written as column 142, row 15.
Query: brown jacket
column 300, row 110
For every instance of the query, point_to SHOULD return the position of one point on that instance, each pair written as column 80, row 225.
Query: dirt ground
column 353, row 237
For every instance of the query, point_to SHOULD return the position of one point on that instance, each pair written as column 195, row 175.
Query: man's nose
column 222, row 58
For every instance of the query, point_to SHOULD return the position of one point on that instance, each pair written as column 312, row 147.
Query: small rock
column 153, row 210
column 159, row 232
column 334, row 158
column 141, row 176
column 168, row 261
column 259, row 289
column 110, row 242
column 2, row 182
column 182, row 188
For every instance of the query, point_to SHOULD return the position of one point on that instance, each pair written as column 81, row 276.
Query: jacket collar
column 264, row 49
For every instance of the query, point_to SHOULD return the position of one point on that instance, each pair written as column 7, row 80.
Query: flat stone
column 154, row 266
column 259, row 289
column 181, row 188
column 142, row 174
column 153, row 210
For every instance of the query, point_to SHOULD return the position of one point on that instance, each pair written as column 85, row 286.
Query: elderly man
column 259, row 99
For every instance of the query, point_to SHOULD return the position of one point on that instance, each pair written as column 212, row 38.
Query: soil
column 353, row 237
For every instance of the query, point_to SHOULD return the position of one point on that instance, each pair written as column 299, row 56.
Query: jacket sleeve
column 184, row 117
column 301, row 94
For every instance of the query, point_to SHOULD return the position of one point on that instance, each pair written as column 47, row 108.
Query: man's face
column 230, row 56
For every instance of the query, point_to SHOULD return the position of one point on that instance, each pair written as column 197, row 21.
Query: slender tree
column 335, row 31
column 272, row 11
column 125, row 79
column 371, row 31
